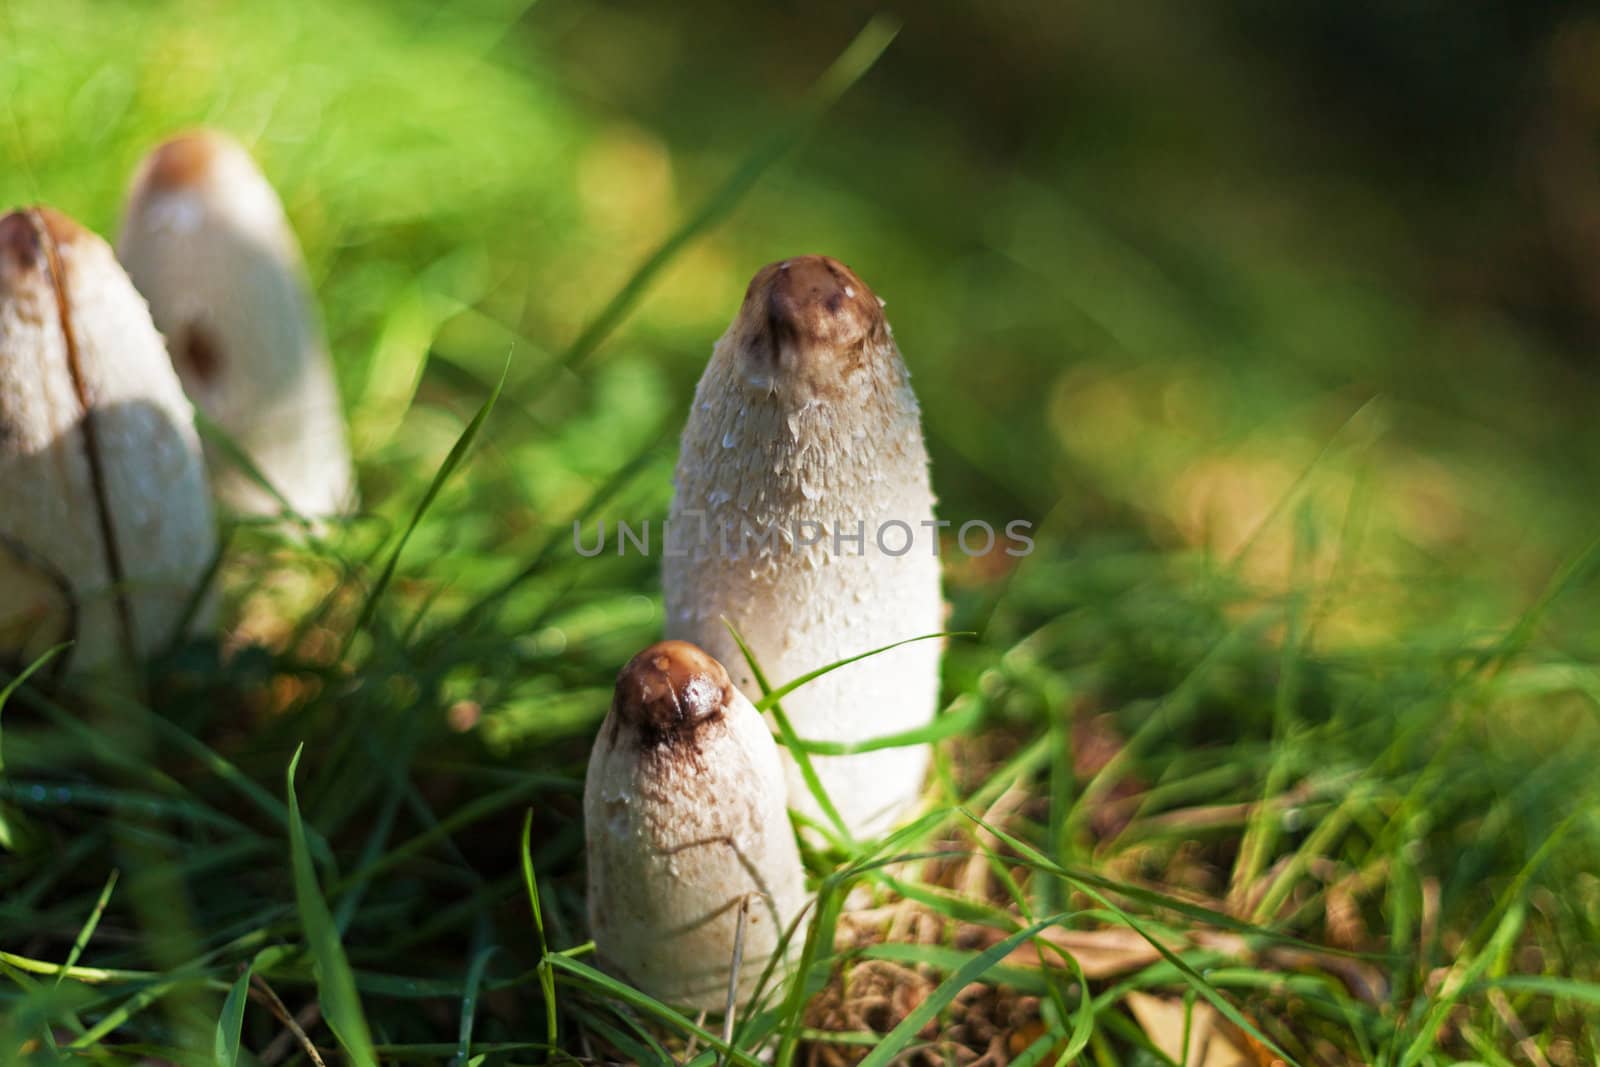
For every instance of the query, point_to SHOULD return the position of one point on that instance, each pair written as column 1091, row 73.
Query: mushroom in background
column 803, row 514
column 205, row 239
column 684, row 812
column 106, row 525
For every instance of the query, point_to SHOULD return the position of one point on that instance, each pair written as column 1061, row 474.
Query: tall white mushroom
column 105, row 525
column 803, row 514
column 205, row 239
column 687, row 826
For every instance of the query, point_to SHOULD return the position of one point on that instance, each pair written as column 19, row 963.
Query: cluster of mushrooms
column 106, row 533
column 803, row 420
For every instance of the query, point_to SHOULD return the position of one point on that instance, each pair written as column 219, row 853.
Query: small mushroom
column 803, row 514
column 106, row 526
column 687, row 828
column 205, row 239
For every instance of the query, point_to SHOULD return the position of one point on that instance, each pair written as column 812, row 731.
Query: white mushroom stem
column 805, row 429
column 106, row 523
column 686, row 823
column 205, row 239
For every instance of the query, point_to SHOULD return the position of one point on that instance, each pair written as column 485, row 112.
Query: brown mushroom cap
column 29, row 237
column 809, row 316
column 19, row 242
column 667, row 691
column 184, row 160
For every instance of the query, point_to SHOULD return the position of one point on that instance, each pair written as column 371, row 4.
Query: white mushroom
column 106, row 523
column 803, row 514
column 686, row 824
column 205, row 239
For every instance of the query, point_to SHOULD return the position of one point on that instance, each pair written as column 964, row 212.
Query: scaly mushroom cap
column 685, row 818
column 805, row 423
column 808, row 325
column 669, row 691
column 205, row 239
column 106, row 528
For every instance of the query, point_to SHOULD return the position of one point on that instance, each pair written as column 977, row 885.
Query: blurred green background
column 1147, row 265
column 1304, row 297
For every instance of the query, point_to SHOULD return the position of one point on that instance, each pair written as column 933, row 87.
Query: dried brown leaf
column 1166, row 1021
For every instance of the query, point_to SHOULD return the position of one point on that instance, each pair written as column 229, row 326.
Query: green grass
column 1299, row 687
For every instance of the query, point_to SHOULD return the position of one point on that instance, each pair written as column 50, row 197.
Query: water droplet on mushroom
column 729, row 439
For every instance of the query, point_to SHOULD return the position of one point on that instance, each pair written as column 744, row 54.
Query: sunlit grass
column 1289, row 720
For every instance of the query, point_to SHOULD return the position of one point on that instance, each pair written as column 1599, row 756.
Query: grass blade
column 1566, row 989
column 469, row 1003
column 1189, row 974
column 626, row 994
column 88, row 927
column 13, row 827
column 950, row 724
column 854, row 62
column 791, row 740
column 458, row 452
column 16, row 683
column 772, row 696
column 336, row 985
column 547, row 980
column 231, row 1022
column 215, row 436
column 905, row 1031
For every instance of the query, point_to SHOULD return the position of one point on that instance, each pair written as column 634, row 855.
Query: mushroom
column 686, row 824
column 106, row 526
column 205, row 239
column 803, row 514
